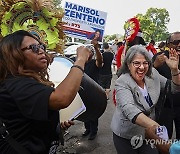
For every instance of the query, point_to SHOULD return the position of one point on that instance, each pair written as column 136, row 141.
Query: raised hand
column 95, row 43
column 83, row 53
column 173, row 60
column 159, row 60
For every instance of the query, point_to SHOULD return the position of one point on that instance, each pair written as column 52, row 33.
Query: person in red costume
column 137, row 40
column 151, row 48
column 118, row 56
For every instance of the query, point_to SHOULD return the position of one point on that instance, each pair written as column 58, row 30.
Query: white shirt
column 146, row 95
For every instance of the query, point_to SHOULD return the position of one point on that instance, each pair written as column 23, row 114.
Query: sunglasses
column 175, row 42
column 35, row 48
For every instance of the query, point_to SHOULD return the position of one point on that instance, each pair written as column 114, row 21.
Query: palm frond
column 37, row 5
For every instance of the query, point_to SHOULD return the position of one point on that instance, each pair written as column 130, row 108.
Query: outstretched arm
column 145, row 121
column 66, row 91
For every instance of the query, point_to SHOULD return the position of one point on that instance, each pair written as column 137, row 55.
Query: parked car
column 72, row 43
column 70, row 52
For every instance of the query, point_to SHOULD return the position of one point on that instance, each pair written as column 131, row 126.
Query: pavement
column 103, row 143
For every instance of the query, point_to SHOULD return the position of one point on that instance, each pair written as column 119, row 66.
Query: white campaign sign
column 83, row 22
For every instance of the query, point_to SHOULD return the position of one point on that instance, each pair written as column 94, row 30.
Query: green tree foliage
column 108, row 38
column 154, row 24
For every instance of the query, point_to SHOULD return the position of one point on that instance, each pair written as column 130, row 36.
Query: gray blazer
column 130, row 102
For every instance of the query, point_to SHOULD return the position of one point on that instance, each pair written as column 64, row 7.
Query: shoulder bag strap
column 167, row 90
column 6, row 136
column 169, row 93
column 162, row 99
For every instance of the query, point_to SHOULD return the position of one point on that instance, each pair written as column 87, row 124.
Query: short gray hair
column 132, row 51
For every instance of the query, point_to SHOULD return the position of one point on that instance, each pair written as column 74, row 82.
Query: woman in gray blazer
column 137, row 92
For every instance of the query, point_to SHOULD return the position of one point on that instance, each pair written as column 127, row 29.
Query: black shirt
column 165, row 71
column 24, row 110
column 107, row 60
column 92, row 70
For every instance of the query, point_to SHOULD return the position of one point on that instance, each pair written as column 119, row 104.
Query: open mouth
column 140, row 74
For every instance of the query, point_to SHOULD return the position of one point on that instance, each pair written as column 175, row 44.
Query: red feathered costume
column 151, row 48
column 118, row 56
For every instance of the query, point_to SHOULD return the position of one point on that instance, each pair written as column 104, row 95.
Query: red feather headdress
column 131, row 29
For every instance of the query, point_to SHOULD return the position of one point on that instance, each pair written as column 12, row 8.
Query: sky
column 119, row 11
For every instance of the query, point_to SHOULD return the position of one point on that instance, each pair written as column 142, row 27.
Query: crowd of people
column 30, row 104
column 139, row 62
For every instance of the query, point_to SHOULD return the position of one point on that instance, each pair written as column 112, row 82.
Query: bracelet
column 175, row 74
column 77, row 66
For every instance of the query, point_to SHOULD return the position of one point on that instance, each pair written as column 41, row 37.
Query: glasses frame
column 35, row 48
column 137, row 64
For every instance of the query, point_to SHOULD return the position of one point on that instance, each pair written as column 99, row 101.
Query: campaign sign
column 84, row 22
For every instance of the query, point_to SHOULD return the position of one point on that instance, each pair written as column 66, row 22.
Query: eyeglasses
column 137, row 64
column 35, row 47
column 175, row 42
